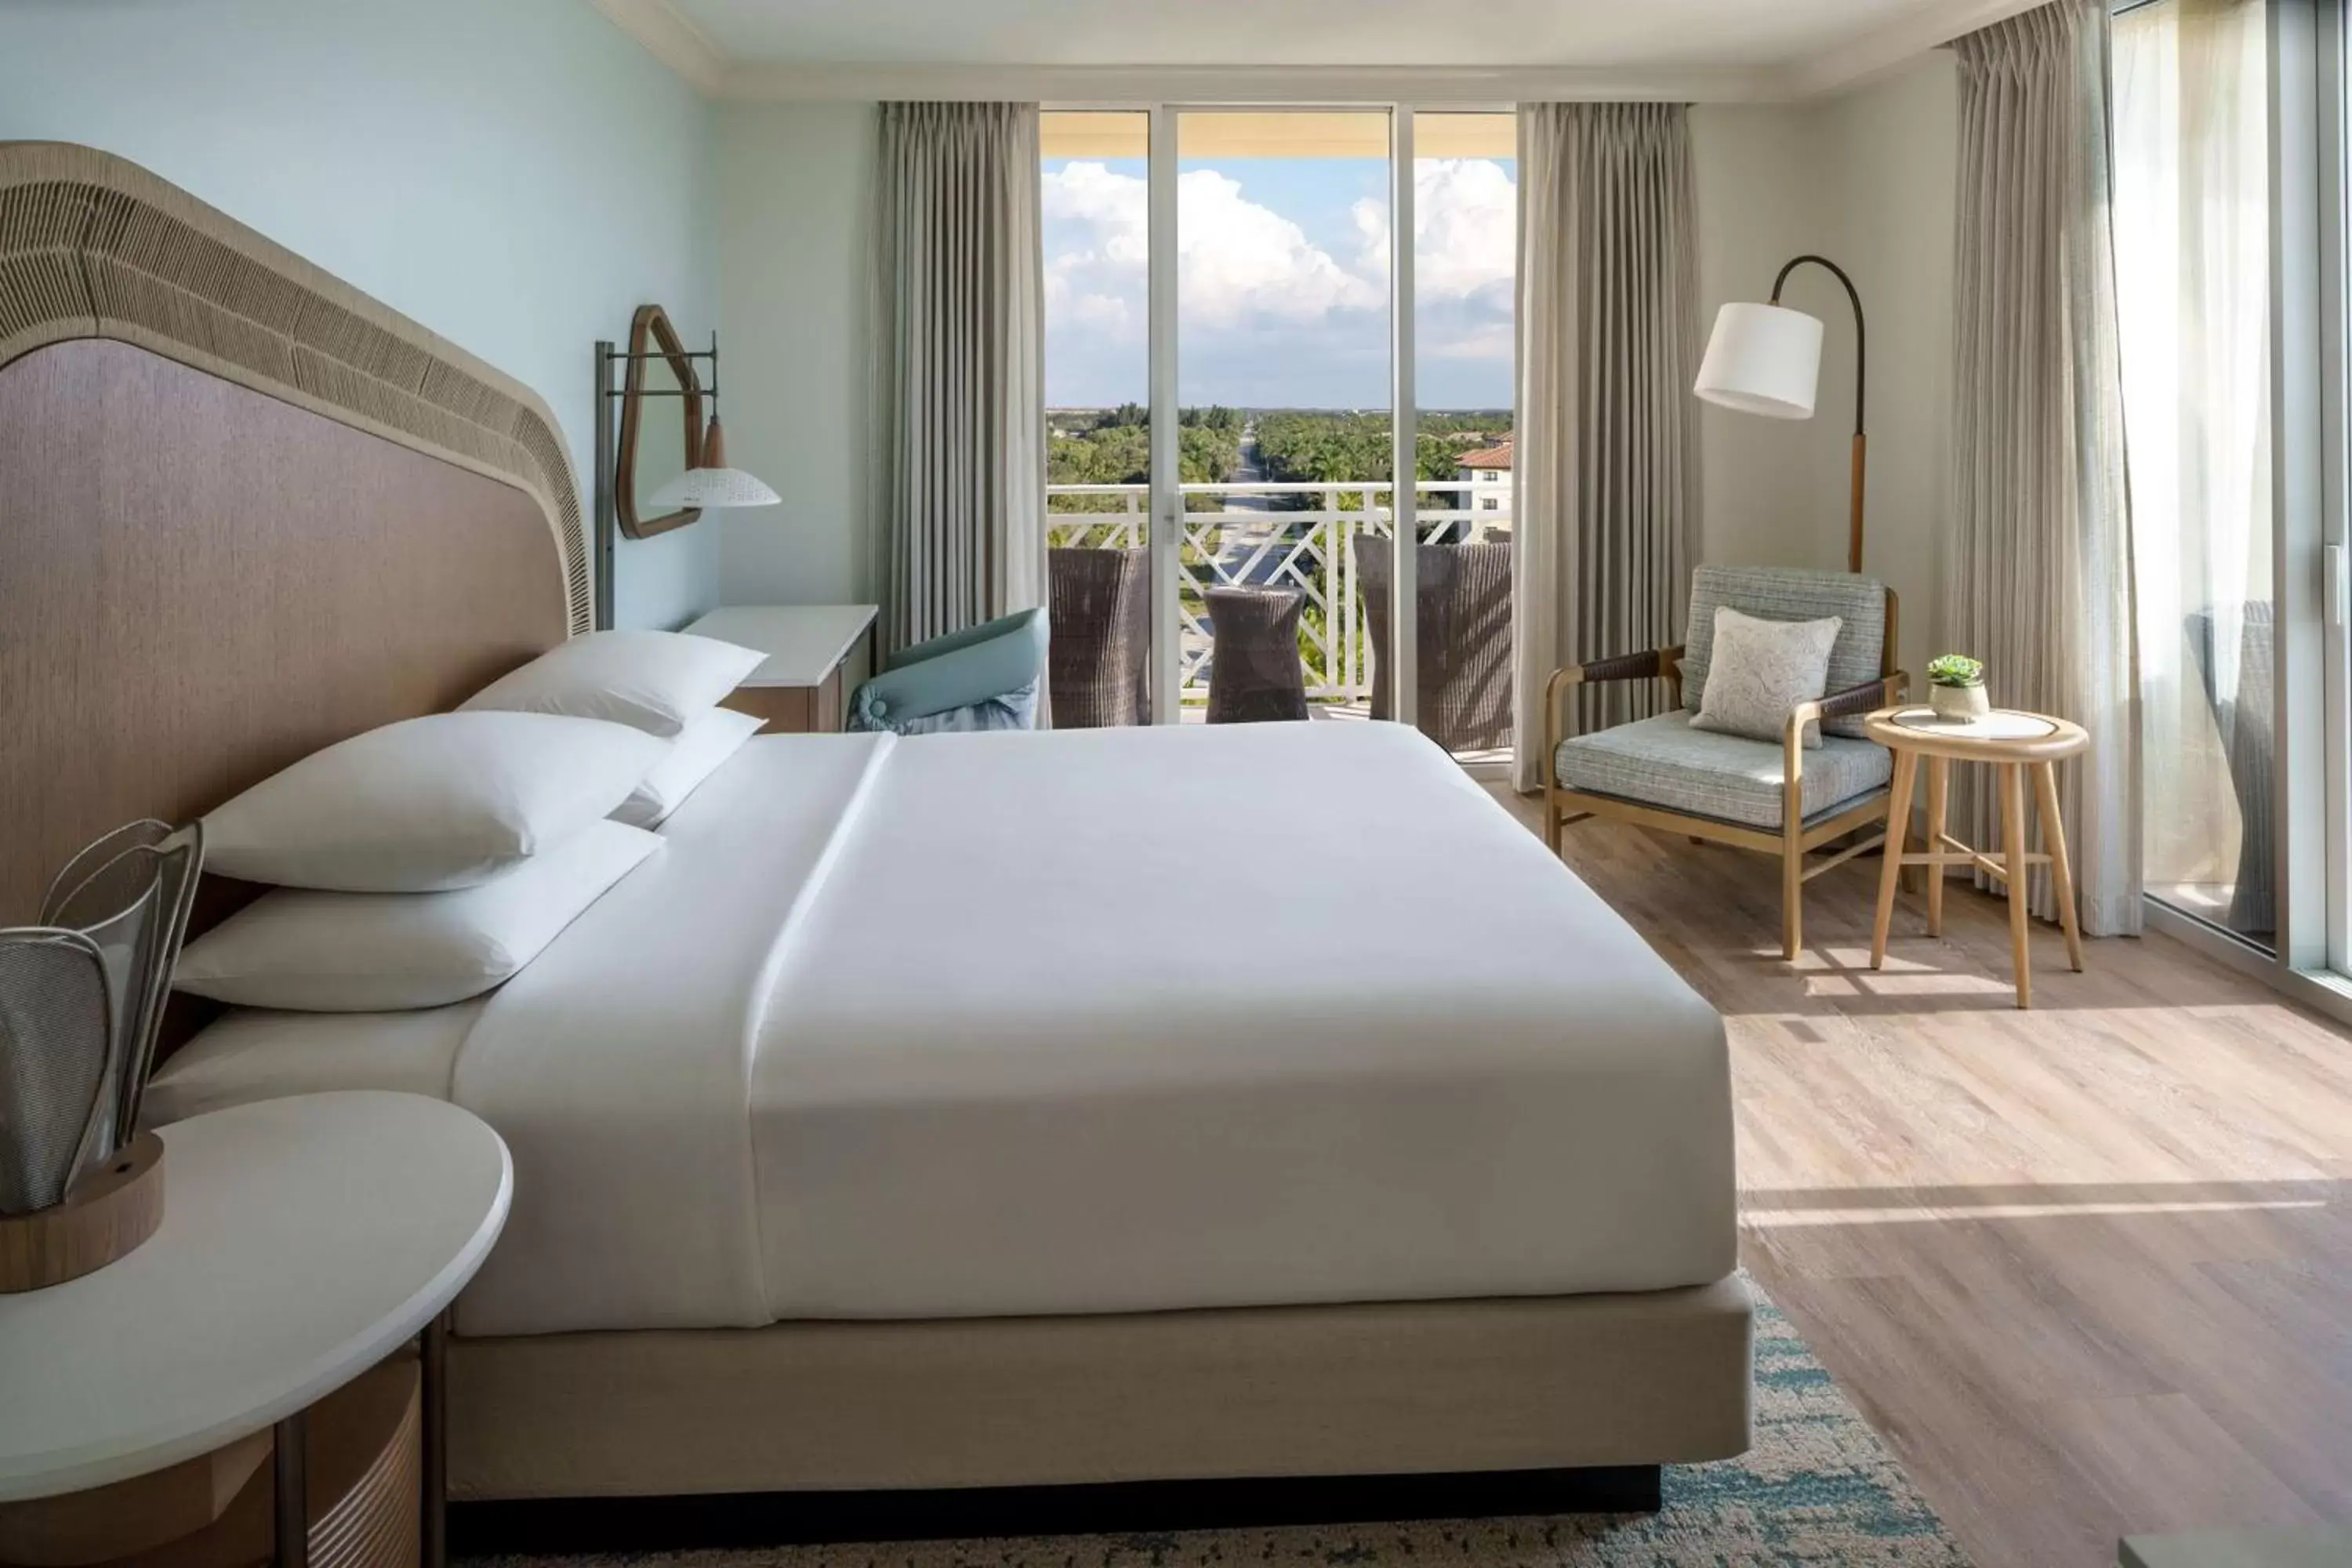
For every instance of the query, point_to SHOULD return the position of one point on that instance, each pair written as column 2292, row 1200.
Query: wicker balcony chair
column 1098, row 670
column 1463, row 598
column 1777, row 797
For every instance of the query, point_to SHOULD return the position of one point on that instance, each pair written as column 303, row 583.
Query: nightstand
column 243, row 1384
column 817, row 655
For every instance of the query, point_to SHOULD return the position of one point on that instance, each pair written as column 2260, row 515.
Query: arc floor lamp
column 1767, row 358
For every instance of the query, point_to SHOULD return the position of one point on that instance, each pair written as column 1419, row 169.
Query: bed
column 943, row 1112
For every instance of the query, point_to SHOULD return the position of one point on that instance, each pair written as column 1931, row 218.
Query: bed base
column 553, row 1526
column 1549, row 1403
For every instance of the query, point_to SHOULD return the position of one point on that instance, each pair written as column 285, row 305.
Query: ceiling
column 970, row 48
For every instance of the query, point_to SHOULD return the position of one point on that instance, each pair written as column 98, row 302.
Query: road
column 1243, row 539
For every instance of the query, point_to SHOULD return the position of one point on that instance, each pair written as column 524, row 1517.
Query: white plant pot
column 1958, row 703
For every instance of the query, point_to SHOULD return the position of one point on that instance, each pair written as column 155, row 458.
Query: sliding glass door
column 1465, row 286
column 1283, row 383
column 1224, row 354
column 1096, row 242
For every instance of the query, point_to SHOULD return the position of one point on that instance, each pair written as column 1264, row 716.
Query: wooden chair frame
column 1795, row 841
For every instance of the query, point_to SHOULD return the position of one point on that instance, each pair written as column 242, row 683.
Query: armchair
column 1780, row 799
column 982, row 678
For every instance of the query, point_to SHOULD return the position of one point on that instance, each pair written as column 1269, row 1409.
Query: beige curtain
column 2192, row 277
column 960, row 485
column 2040, row 578
column 1608, row 458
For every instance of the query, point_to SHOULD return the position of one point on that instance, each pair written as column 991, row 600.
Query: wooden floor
column 2088, row 1268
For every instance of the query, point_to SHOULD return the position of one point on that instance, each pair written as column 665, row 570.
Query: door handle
column 2337, row 588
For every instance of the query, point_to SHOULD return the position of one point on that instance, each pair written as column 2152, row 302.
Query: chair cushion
column 1665, row 763
column 994, row 661
column 1790, row 594
column 1010, row 711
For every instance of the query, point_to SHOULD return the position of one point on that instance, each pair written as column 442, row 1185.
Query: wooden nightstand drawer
column 817, row 656
column 794, row 709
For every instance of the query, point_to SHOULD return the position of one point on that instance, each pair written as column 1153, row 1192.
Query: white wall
column 796, row 189
column 1892, row 149
column 516, row 174
column 1867, row 178
column 1759, row 201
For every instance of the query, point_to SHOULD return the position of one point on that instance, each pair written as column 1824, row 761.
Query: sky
column 1282, row 282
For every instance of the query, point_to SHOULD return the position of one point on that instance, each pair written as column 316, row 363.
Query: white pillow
column 428, row 803
column 370, row 952
column 653, row 681
column 1760, row 669
column 709, row 738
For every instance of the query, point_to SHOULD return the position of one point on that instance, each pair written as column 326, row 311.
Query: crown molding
column 1875, row 54
column 670, row 39
column 667, row 35
column 1429, row 86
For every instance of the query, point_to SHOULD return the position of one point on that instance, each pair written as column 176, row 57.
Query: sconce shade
column 711, row 483
column 1762, row 359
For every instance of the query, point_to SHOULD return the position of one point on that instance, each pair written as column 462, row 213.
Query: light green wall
column 795, row 268
column 516, row 174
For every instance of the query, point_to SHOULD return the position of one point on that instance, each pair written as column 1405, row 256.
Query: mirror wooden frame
column 650, row 332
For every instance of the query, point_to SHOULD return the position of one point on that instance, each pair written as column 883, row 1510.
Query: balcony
column 1277, row 534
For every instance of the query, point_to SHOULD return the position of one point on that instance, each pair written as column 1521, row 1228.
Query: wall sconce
column 707, row 480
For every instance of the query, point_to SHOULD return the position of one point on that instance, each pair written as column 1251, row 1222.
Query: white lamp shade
column 1763, row 359
column 713, row 488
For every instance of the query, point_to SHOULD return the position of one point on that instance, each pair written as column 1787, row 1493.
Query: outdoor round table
column 2015, row 743
column 1254, row 672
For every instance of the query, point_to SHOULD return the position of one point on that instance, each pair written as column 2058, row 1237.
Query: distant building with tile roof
column 1488, row 473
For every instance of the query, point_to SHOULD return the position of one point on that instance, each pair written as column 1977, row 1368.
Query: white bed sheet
column 253, row 1053
column 1097, row 1021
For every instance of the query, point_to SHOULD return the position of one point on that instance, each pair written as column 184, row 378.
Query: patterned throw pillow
column 1761, row 669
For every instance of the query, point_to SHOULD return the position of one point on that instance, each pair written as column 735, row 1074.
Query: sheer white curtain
column 2192, row 267
column 2041, row 583
column 961, row 381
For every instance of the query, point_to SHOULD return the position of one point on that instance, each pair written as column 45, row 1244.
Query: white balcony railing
column 1257, row 539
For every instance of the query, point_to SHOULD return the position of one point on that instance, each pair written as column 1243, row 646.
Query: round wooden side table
column 2015, row 743
column 265, row 1324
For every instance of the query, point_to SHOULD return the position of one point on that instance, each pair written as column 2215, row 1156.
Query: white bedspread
column 1108, row 1020
column 1131, row 1019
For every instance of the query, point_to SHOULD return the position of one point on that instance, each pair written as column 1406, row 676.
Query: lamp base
column 105, row 1218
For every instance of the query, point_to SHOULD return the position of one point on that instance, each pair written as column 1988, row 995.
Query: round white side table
column 2017, row 743
column 304, row 1241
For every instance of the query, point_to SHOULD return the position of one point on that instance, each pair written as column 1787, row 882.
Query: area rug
column 1817, row 1487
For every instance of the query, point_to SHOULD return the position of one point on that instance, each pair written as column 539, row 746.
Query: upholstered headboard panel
column 245, row 510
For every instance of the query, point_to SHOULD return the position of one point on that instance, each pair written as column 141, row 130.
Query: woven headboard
column 247, row 510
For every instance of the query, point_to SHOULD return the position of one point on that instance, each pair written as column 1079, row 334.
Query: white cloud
column 1096, row 231
column 1238, row 262
column 1252, row 285
column 1465, row 231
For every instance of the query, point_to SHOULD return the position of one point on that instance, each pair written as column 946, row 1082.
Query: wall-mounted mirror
column 661, row 430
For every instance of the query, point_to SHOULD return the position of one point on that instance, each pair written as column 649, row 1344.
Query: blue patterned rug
column 1817, row 1487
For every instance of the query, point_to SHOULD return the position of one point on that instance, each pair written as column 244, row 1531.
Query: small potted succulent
column 1956, row 688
